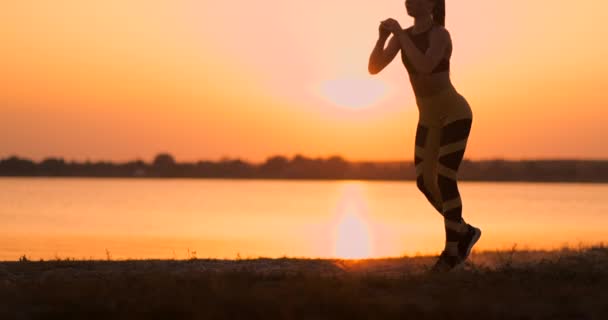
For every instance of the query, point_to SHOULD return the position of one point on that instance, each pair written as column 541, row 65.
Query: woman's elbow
column 373, row 68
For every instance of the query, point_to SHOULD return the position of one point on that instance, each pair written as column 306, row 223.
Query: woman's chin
column 412, row 13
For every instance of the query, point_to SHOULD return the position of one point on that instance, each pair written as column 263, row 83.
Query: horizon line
column 290, row 157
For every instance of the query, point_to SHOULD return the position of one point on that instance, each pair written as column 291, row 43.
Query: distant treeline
column 301, row 167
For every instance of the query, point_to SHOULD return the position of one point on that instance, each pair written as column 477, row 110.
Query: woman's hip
column 446, row 106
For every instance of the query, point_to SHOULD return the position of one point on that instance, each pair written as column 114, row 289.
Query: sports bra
column 421, row 41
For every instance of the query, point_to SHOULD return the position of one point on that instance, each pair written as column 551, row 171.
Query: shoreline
column 489, row 260
column 561, row 284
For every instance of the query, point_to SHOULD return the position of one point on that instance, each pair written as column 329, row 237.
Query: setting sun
column 353, row 92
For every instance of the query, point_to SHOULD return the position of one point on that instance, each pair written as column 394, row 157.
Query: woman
column 445, row 117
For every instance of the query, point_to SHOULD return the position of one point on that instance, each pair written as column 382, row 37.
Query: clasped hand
column 391, row 25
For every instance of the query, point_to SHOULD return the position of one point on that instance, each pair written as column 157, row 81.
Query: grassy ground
column 516, row 284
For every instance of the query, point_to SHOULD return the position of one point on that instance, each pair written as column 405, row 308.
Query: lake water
column 87, row 218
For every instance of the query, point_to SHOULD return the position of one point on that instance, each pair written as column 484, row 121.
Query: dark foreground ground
column 564, row 284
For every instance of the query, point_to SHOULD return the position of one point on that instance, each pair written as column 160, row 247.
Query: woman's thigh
column 452, row 145
column 426, row 155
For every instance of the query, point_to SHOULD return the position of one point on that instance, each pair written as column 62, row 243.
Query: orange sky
column 119, row 80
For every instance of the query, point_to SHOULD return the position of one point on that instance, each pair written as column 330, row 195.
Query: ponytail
column 439, row 12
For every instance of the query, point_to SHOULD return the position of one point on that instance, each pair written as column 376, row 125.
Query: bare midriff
column 425, row 85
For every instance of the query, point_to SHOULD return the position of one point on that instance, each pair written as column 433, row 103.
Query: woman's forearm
column 418, row 58
column 375, row 59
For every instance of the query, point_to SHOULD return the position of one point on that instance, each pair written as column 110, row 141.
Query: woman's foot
column 446, row 262
column 467, row 241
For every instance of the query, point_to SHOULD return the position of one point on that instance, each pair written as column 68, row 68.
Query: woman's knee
column 427, row 184
column 420, row 184
column 448, row 187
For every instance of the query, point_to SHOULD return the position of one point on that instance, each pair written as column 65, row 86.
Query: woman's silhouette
column 445, row 117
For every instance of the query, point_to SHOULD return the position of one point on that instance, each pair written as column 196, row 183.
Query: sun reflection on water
column 352, row 234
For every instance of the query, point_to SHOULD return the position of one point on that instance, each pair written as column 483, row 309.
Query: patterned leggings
column 441, row 137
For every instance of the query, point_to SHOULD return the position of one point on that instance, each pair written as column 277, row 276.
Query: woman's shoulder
column 440, row 29
column 440, row 32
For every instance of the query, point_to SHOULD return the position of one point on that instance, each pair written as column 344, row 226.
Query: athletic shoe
column 467, row 241
column 446, row 263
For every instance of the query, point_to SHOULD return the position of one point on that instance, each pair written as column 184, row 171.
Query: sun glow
column 352, row 239
column 353, row 92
